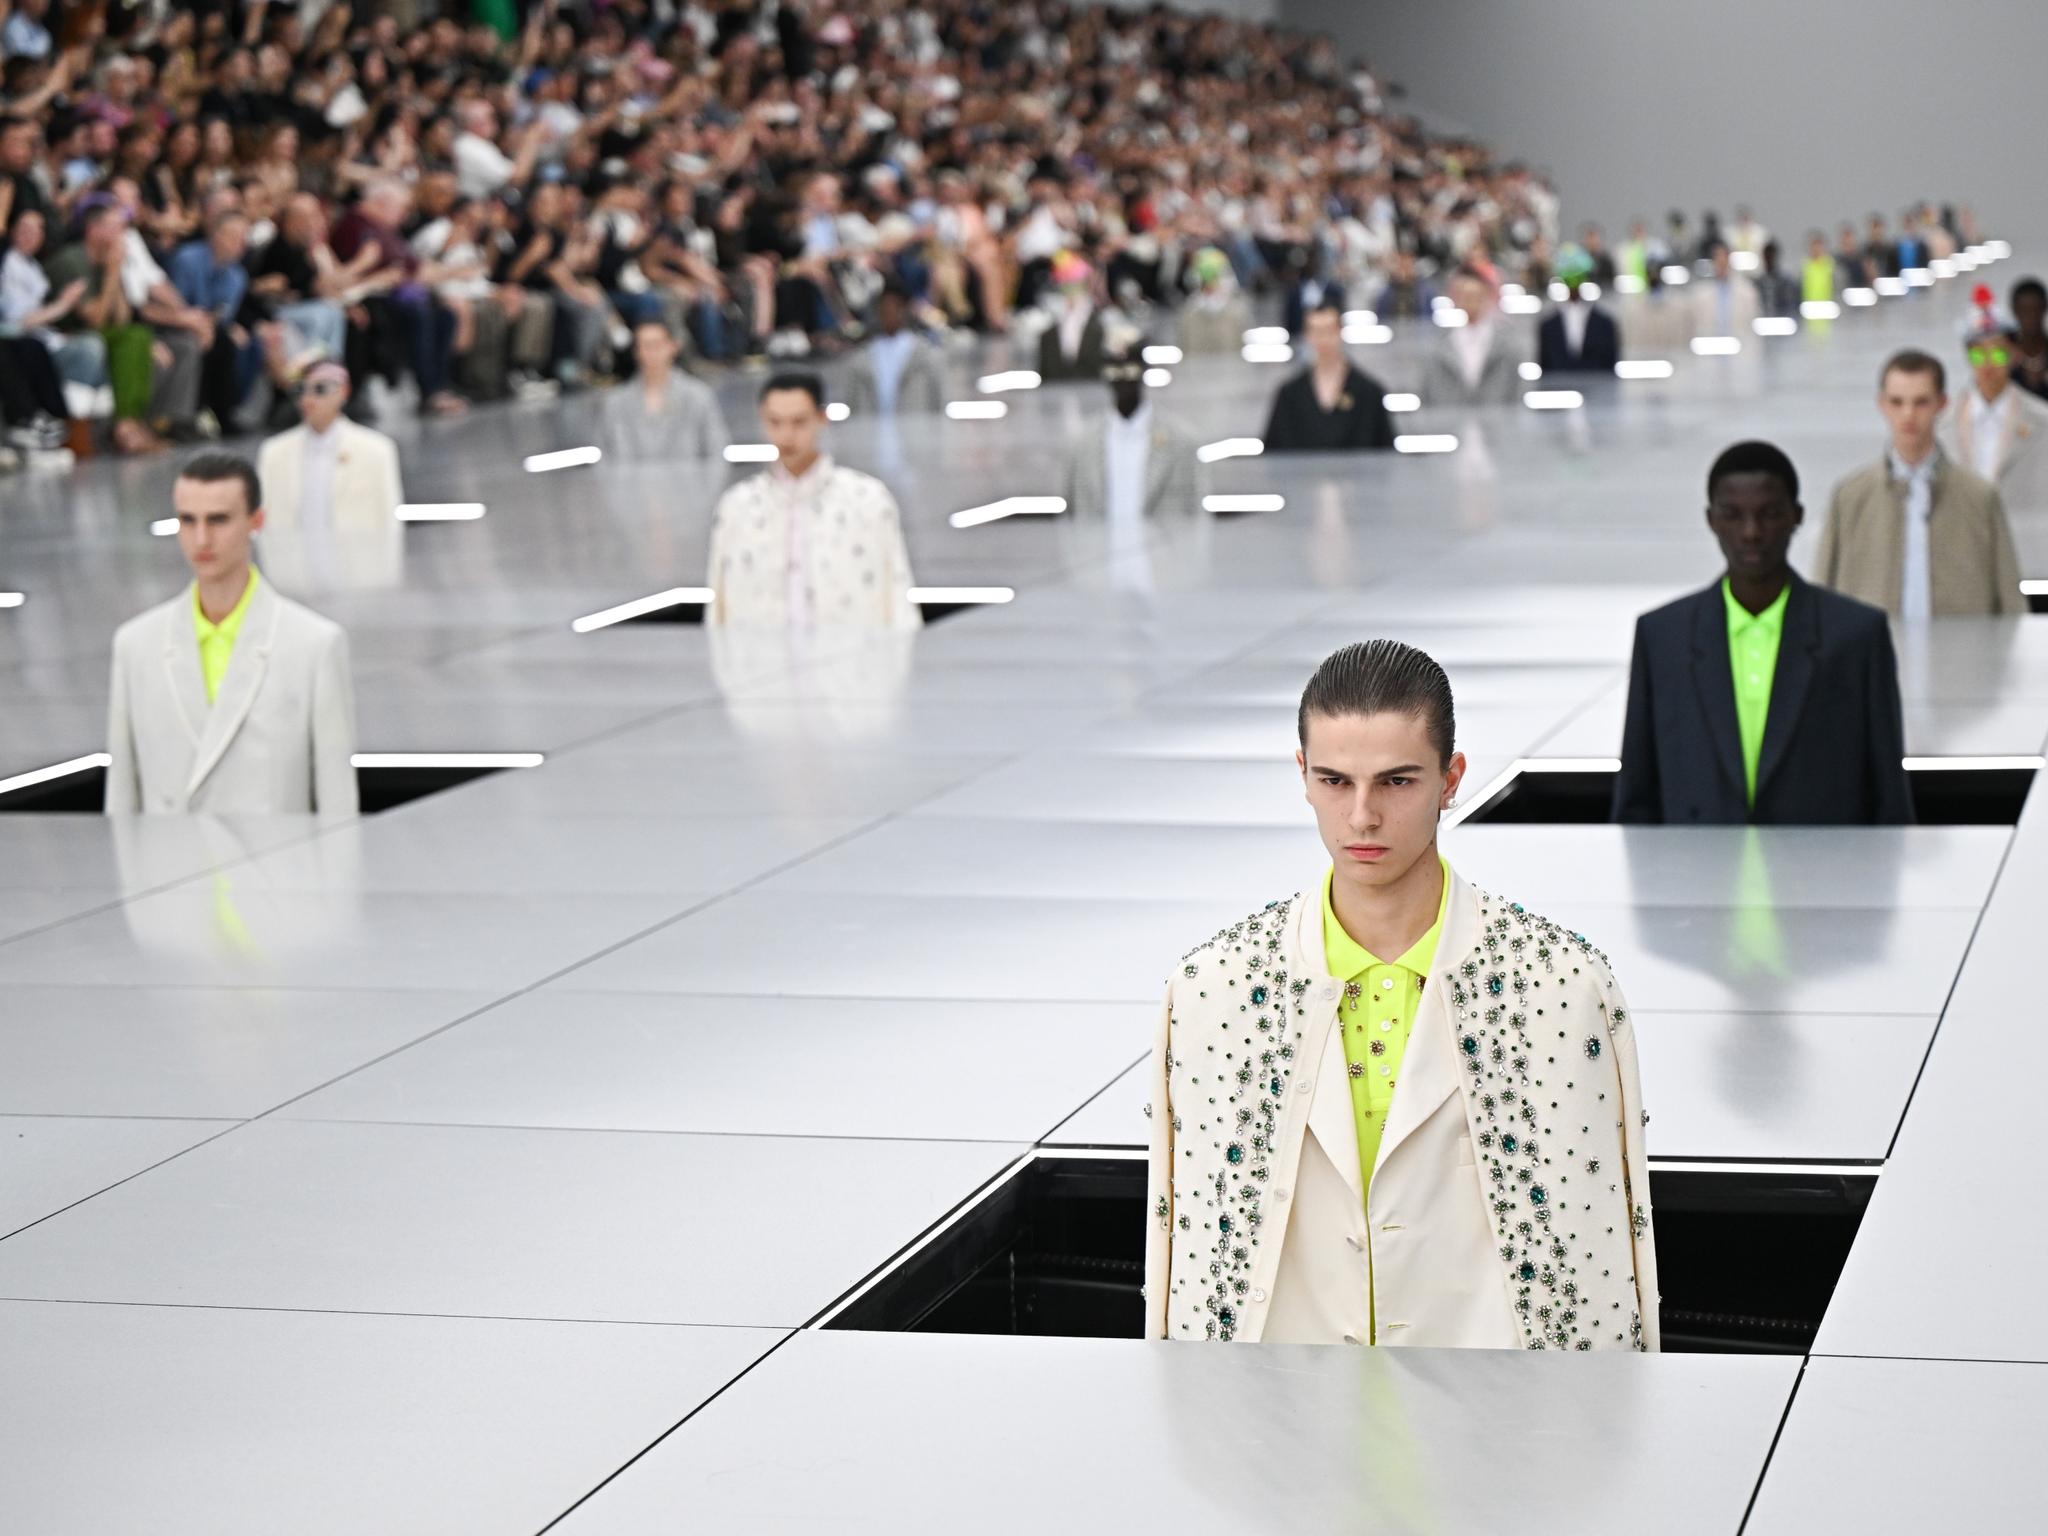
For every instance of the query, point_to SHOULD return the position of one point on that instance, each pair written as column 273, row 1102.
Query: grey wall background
column 1808, row 110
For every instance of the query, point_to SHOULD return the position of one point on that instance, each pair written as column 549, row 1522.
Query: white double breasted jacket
column 1510, row 1201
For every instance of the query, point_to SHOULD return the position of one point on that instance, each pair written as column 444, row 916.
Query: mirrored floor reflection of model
column 1445, row 1147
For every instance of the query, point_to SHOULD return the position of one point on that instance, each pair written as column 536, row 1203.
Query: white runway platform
column 479, row 1166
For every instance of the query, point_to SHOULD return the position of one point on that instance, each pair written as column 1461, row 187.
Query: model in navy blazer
column 1834, row 742
column 1599, row 349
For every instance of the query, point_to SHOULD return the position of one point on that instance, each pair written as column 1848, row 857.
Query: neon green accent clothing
column 1753, row 658
column 217, row 641
column 1817, row 280
column 1378, row 1011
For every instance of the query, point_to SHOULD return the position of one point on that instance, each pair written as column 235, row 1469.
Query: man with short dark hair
column 1762, row 699
column 807, row 543
column 1331, row 405
column 2029, row 300
column 1399, row 1110
column 1917, row 534
column 229, row 698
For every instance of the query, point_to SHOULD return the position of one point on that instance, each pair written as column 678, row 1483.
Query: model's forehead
column 1368, row 742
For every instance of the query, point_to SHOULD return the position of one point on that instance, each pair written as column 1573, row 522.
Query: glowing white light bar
column 1230, row 448
column 2034, row 589
column 1675, row 276
column 1524, row 304
column 1439, row 301
column 1009, row 506
column 1401, row 402
column 1997, row 250
column 1589, row 291
column 1917, row 277
column 1774, row 325
column 750, row 453
column 1558, row 294
column 164, row 527
column 1360, row 317
column 1890, row 287
column 1716, row 346
column 1820, row 309
column 1425, row 442
column 1268, row 352
column 976, row 410
column 1508, row 290
column 1161, row 357
column 1968, row 764
column 1450, row 317
column 962, row 594
column 445, row 760
column 56, row 771
column 674, row 597
column 1553, row 399
column 1977, row 253
column 1628, row 283
column 1965, row 262
column 440, row 511
column 1265, row 335
column 1744, row 261
column 1942, row 267
column 838, row 410
column 1568, row 765
column 565, row 458
column 1158, row 378
column 1530, row 372
column 1016, row 378
column 12, row 599
column 1259, row 502
column 1643, row 368
column 1367, row 335
column 1859, row 298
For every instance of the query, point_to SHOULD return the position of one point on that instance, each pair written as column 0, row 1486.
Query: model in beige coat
column 1972, row 568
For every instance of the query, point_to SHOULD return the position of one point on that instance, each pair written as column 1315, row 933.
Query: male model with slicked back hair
column 1395, row 1109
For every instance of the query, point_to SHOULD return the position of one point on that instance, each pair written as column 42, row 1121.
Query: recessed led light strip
column 674, row 597
column 561, row 458
column 1252, row 502
column 1425, row 442
column 1970, row 764
column 56, row 771
column 1009, row 506
column 12, row 599
column 445, row 759
column 1015, row 378
column 751, row 453
column 440, row 511
column 1230, row 448
column 963, row 594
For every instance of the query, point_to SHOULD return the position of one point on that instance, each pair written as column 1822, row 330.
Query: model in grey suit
column 1499, row 382
column 1173, row 475
column 921, row 386
column 278, row 739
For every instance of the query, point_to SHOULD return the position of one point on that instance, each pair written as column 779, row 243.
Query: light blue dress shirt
column 1916, row 591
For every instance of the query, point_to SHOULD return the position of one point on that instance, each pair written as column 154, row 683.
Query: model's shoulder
column 1508, row 932
column 146, row 625
column 1679, row 611
column 863, row 489
column 1861, row 483
column 296, row 618
column 1255, row 933
column 1841, row 612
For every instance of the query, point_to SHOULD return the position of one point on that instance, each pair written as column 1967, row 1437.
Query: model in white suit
column 277, row 738
column 331, row 493
column 807, row 543
column 1509, row 1204
column 1993, row 428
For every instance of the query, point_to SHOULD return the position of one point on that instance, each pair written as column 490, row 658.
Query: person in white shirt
column 807, row 544
column 1726, row 303
column 1134, row 469
column 333, row 492
column 1996, row 430
column 481, row 167
column 1473, row 364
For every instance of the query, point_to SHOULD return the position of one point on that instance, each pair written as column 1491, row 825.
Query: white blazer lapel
column 1332, row 1118
column 1158, row 468
column 183, row 674
column 1430, row 1066
column 238, row 688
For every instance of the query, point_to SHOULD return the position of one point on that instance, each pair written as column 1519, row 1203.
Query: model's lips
column 1365, row 852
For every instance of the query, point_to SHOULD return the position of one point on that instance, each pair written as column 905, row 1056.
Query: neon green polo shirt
column 1376, row 1015
column 1753, row 658
column 1817, row 279
column 217, row 641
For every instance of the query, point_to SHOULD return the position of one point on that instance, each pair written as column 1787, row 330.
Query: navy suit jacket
column 1599, row 354
column 1834, row 739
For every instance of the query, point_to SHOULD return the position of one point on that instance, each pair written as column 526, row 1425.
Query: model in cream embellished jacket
column 1510, row 1203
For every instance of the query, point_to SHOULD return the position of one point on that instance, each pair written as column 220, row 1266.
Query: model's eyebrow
column 1384, row 773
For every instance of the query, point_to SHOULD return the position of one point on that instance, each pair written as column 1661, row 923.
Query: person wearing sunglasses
column 1996, row 428
column 333, row 491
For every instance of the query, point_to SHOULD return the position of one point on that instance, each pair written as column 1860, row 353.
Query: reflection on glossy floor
column 421, row 1173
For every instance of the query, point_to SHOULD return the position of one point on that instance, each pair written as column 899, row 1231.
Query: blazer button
column 1352, row 1338
column 1257, row 1294
column 1281, row 1193
column 1355, row 1241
